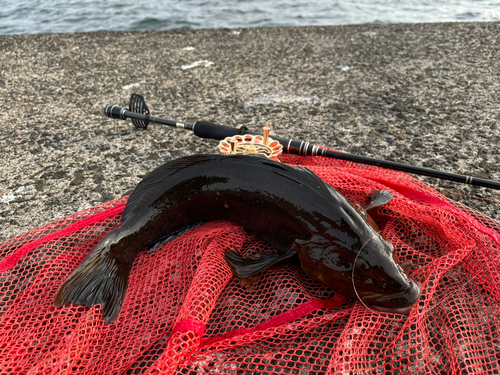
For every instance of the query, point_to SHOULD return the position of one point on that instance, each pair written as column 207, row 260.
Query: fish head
column 365, row 270
column 379, row 281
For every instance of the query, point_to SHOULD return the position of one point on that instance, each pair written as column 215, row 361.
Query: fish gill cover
column 184, row 312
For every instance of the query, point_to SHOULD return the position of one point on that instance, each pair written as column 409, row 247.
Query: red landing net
column 184, row 313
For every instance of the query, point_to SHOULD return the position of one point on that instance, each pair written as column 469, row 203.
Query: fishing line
column 352, row 277
column 364, row 304
column 446, row 298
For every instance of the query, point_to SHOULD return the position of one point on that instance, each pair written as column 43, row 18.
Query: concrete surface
column 423, row 94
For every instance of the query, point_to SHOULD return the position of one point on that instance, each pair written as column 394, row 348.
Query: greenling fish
column 290, row 208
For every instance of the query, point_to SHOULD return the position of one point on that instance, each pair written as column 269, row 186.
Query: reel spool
column 248, row 144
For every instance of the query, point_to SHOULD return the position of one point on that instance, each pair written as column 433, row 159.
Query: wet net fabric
column 184, row 312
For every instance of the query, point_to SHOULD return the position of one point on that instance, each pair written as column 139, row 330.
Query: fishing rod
column 139, row 113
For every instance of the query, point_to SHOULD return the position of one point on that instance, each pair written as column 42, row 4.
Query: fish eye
column 361, row 269
column 362, row 264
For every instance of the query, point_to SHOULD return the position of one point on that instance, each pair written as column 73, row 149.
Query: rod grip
column 115, row 111
column 205, row 129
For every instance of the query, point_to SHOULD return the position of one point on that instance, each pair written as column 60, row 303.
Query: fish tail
column 99, row 279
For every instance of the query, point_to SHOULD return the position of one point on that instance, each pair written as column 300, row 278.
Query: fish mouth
column 400, row 303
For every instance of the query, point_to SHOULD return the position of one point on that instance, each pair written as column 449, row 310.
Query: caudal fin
column 99, row 279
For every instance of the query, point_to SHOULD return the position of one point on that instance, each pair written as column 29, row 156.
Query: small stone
column 78, row 180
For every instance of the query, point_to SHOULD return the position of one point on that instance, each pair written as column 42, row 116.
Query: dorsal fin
column 307, row 177
column 310, row 179
column 153, row 185
column 148, row 189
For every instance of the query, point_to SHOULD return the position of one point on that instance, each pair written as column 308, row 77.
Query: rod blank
column 204, row 129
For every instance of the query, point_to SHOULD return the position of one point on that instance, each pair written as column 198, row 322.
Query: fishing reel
column 248, row 144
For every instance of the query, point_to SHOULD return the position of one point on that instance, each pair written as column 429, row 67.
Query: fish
column 288, row 207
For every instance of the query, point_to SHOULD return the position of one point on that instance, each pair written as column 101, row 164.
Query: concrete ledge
column 423, row 94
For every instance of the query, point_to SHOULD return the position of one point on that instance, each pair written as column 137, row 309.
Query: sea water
column 56, row 16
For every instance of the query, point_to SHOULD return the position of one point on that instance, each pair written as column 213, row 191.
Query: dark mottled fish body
column 289, row 207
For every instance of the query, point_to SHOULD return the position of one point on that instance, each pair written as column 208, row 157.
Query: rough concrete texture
column 423, row 94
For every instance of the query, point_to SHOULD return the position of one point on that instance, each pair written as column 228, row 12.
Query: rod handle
column 114, row 111
column 205, row 129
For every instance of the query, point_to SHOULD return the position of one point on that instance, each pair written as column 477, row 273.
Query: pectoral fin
column 246, row 267
column 377, row 198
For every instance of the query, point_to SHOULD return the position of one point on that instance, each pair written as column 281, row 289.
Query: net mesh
column 184, row 313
